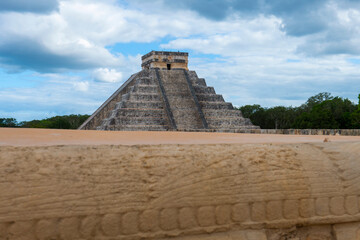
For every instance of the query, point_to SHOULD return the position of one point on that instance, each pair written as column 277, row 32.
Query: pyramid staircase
column 167, row 100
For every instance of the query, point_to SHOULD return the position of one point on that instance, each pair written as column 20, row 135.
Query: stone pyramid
column 166, row 96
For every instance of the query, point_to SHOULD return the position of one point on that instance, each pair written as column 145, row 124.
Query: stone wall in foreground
column 181, row 192
column 342, row 132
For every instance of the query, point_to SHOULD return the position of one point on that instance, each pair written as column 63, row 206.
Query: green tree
column 58, row 122
column 331, row 113
column 256, row 113
column 8, row 122
column 281, row 117
column 355, row 117
column 268, row 118
column 316, row 99
column 319, row 111
column 355, row 120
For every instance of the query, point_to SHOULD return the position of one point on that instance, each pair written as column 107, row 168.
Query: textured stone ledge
column 343, row 132
column 338, row 132
column 187, row 220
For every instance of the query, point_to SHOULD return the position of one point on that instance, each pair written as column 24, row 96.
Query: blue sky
column 68, row 56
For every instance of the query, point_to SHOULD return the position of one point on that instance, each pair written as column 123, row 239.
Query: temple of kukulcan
column 166, row 96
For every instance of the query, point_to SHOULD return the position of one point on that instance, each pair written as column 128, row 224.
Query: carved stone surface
column 250, row 192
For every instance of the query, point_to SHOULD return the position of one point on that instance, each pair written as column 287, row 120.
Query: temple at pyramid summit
column 166, row 96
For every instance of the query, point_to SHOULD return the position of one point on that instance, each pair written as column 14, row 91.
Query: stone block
column 320, row 232
column 258, row 211
column 69, row 228
column 322, row 206
column 307, row 208
column 148, row 221
column 187, row 218
column 347, row 231
column 206, row 216
column 223, row 214
column 274, row 210
column 110, row 224
column 168, row 219
column 291, row 209
column 46, row 229
column 130, row 223
column 22, row 230
column 351, row 205
column 88, row 227
column 240, row 212
column 337, row 205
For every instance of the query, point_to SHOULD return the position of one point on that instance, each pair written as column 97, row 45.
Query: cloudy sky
column 62, row 57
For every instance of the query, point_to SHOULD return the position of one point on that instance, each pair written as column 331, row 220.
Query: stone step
column 172, row 77
column 215, row 113
column 142, row 104
column 173, row 91
column 215, row 105
column 125, row 97
column 144, row 97
column 175, row 87
column 189, row 128
column 140, row 121
column 239, row 129
column 145, row 89
column 180, row 96
column 137, row 128
column 181, row 102
column 198, row 82
column 187, row 117
column 144, row 128
column 192, row 74
column 145, row 81
column 210, row 97
column 185, row 113
column 136, row 112
column 226, row 122
column 202, row 89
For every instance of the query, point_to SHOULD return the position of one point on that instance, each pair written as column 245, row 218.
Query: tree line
column 322, row 111
column 72, row 121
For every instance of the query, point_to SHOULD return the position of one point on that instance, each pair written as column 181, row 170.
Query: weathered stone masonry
column 166, row 96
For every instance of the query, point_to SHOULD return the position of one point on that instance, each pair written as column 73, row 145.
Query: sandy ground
column 49, row 137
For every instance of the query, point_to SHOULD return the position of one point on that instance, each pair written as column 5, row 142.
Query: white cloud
column 107, row 75
column 273, row 80
column 82, row 86
column 251, row 63
column 239, row 37
column 55, row 95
